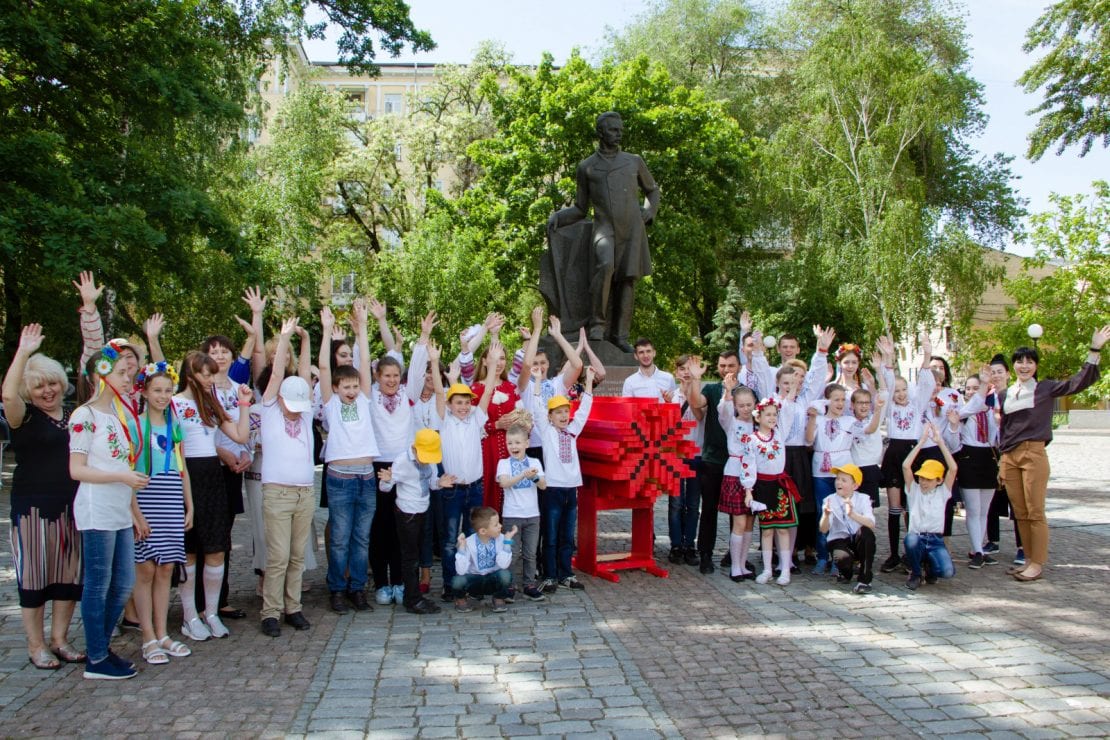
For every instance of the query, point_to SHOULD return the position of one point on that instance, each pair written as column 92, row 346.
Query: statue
column 589, row 273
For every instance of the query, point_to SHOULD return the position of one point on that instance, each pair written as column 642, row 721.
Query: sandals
column 43, row 660
column 174, row 648
column 154, row 654
column 68, row 654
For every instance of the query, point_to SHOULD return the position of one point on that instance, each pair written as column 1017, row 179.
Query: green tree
column 1069, row 303
column 1074, row 37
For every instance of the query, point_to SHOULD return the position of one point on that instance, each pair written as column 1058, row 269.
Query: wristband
column 1096, row 351
column 508, row 541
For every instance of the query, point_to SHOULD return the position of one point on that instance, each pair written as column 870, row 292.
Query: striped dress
column 162, row 502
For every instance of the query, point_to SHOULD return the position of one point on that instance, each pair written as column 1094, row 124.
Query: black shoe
column 229, row 613
column 990, row 547
column 706, row 565
column 726, row 561
column 890, row 564
column 270, row 627
column 359, row 602
column 510, row 595
column 339, row 602
column 811, row 559
column 930, row 579
column 913, row 582
column 842, row 578
column 740, row 578
column 448, row 596
column 297, row 621
column 690, row 557
column 128, row 625
column 795, row 570
column 675, row 556
column 424, row 606
column 976, row 561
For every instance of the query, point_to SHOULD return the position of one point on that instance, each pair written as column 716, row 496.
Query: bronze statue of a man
column 611, row 180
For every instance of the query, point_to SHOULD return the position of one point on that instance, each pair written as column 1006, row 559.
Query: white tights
column 977, row 506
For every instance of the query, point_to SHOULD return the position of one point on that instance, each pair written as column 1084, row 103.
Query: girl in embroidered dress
column 202, row 415
column 768, row 490
column 735, row 414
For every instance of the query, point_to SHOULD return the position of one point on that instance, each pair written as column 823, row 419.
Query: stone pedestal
column 618, row 363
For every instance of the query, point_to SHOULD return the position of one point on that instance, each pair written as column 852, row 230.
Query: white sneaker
column 784, row 577
column 216, row 627
column 399, row 595
column 384, row 595
column 195, row 629
column 764, row 577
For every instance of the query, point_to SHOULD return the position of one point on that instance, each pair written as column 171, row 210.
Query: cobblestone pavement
column 689, row 656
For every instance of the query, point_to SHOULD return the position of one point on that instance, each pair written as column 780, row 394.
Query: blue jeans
column 822, row 489
column 352, row 499
column 559, row 509
column 457, row 501
column 931, row 546
column 682, row 510
column 109, row 557
column 494, row 584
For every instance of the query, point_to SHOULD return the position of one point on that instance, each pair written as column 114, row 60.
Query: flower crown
column 109, row 356
column 155, row 368
column 847, row 348
column 767, row 402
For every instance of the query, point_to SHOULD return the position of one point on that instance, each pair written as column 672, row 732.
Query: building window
column 393, row 103
column 397, row 151
column 342, row 285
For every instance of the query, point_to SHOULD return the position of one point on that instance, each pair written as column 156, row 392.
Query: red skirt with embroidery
column 732, row 497
column 779, row 494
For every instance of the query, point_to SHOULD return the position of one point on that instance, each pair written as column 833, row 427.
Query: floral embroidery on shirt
column 348, row 411
column 115, row 448
column 80, row 427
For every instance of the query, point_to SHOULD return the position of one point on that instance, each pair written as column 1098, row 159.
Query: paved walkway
column 688, row 656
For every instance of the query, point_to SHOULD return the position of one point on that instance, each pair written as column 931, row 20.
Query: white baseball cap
column 295, row 393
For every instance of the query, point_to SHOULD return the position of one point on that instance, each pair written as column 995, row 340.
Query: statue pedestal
column 618, row 363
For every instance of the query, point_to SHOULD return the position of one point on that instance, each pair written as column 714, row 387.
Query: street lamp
column 1035, row 332
column 769, row 342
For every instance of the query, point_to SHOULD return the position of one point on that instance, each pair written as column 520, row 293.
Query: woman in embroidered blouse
column 1025, row 429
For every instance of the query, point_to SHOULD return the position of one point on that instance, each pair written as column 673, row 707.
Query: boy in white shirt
column 849, row 523
column 349, row 454
column 288, row 488
column 520, row 476
column 482, row 561
column 928, row 495
column 867, row 449
column 559, row 436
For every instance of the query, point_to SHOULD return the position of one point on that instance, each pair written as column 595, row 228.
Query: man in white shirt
column 648, row 381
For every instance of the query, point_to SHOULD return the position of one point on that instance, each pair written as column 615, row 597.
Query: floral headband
column 847, row 348
column 767, row 402
column 155, row 368
column 109, row 356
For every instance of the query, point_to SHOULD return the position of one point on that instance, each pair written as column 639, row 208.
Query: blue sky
column 996, row 31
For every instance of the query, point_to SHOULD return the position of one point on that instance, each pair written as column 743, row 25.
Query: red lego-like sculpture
column 632, row 451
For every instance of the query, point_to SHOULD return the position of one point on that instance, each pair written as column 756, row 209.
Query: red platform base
column 605, row 566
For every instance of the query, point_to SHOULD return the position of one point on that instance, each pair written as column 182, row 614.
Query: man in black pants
column 714, row 455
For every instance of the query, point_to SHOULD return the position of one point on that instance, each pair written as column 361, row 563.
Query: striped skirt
column 163, row 505
column 46, row 553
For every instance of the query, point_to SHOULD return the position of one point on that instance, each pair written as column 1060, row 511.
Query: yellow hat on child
column 459, row 389
column 931, row 469
column 849, row 469
column 557, row 402
column 428, row 450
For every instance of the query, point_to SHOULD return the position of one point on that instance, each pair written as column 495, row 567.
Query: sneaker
column 862, row 588
column 384, row 595
column 763, row 577
column 216, row 627
column 339, row 602
column 119, row 662
column 499, row 606
column 533, row 594
column 195, row 629
column 463, row 605
column 890, row 564
column 820, row 567
column 572, row 583
column 424, row 606
column 399, row 595
column 690, row 557
column 1019, row 559
column 107, row 670
column 990, row 547
column 784, row 579
column 549, row 586
column 913, row 582
column 510, row 595
column 976, row 561
column 676, row 556
column 988, row 560
column 126, row 625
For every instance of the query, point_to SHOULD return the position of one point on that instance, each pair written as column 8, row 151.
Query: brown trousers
column 1024, row 470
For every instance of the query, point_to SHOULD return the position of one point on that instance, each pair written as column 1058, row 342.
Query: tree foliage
column 1074, row 36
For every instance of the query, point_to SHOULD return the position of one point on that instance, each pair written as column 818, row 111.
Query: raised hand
column 327, row 320
column 1100, row 337
column 555, row 326
column 729, row 382
column 377, row 308
column 453, row 372
column 30, row 339
column 248, row 327
column 537, row 319
column 867, row 378
column 88, row 289
column 886, row 346
column 244, row 395
column 427, row 324
column 582, row 341
column 525, row 333
column 154, row 325
column 696, row 368
column 358, row 312
column 398, row 338
column 254, row 298
column 825, row 337
column 460, row 543
column 745, row 322
column 434, row 354
column 757, row 339
column 288, row 327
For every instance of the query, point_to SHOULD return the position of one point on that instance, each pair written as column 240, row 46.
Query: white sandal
column 174, row 648
column 154, row 654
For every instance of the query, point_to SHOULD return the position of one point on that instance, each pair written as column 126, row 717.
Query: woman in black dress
column 46, row 546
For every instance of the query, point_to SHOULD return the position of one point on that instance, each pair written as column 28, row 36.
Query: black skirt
column 895, row 455
column 799, row 466
column 211, row 519
column 977, row 467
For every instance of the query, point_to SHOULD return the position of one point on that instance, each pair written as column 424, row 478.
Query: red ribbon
column 785, row 481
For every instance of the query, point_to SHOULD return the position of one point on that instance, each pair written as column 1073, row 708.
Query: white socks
column 213, row 579
column 185, row 591
column 745, row 546
column 736, row 553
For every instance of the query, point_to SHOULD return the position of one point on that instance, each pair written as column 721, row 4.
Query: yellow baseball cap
column 427, row 446
column 931, row 469
column 459, row 389
column 852, row 470
column 557, row 402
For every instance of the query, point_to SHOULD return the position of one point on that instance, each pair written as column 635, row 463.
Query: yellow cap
column 557, row 402
column 931, row 469
column 459, row 389
column 427, row 446
column 852, row 470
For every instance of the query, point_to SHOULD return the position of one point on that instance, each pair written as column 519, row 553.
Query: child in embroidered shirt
column 867, row 450
column 735, row 415
column 520, row 476
column 559, row 434
column 482, row 561
column 768, row 490
column 928, row 495
column 849, row 524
